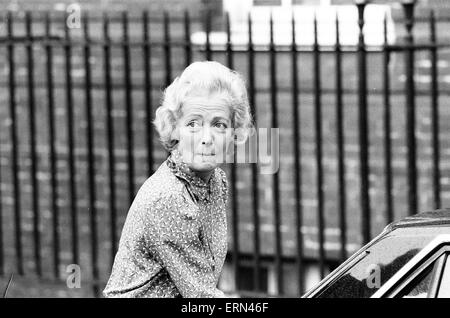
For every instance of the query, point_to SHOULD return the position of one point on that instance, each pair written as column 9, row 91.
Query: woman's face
column 205, row 132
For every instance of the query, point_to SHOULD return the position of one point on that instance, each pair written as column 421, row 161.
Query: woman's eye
column 193, row 124
column 221, row 125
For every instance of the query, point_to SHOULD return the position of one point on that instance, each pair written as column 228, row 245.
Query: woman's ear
column 239, row 136
column 175, row 134
column 174, row 138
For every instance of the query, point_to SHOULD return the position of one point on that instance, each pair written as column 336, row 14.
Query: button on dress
column 174, row 240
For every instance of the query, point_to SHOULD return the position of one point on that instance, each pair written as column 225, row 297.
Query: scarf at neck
column 199, row 188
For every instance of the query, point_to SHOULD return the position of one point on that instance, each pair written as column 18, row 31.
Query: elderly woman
column 174, row 239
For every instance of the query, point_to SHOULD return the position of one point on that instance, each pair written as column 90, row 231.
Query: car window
column 444, row 288
column 383, row 259
column 420, row 286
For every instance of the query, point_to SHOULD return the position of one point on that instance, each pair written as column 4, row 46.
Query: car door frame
column 438, row 247
column 341, row 269
column 445, row 284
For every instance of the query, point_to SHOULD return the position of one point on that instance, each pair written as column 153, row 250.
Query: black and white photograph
column 245, row 150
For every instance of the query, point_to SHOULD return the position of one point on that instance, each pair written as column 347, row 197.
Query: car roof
column 430, row 218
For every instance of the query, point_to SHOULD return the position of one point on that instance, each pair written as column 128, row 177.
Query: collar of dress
column 199, row 188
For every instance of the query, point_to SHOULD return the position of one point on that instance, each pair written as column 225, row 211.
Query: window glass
column 384, row 258
column 420, row 286
column 444, row 288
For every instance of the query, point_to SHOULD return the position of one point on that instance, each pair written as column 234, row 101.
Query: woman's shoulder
column 161, row 187
column 222, row 180
column 162, row 183
column 220, row 174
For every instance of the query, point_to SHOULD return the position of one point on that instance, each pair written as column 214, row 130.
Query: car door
column 425, row 276
column 427, row 283
column 367, row 271
column 444, row 287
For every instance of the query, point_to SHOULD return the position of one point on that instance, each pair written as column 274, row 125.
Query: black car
column 410, row 258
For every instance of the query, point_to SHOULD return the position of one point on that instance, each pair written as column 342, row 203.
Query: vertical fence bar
column 167, row 49
column 229, row 47
column 318, row 133
column 234, row 202
column 52, row 141
column 110, row 135
column 208, row 53
column 128, row 107
column 387, row 126
column 187, row 39
column 2, row 262
column 275, row 176
column 435, row 114
column 14, row 145
column 90, row 155
column 408, row 7
column 71, row 143
column 254, row 167
column 340, row 146
column 148, row 92
column 297, row 156
column 362, row 127
column 32, row 130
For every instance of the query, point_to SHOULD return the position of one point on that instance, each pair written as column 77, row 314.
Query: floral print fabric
column 174, row 240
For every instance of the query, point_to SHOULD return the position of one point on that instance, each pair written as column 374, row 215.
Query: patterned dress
column 174, row 240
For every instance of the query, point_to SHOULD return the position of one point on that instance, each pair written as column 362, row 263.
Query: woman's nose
column 207, row 137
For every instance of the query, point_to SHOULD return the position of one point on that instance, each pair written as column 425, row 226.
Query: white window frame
column 430, row 253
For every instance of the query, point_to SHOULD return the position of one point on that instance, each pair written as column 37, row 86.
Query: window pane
column 384, row 259
column 444, row 289
column 420, row 286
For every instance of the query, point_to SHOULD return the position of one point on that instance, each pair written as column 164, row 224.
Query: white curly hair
column 209, row 77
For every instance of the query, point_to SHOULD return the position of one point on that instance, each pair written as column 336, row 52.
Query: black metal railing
column 101, row 173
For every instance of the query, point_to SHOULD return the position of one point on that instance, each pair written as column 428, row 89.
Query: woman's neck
column 204, row 175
